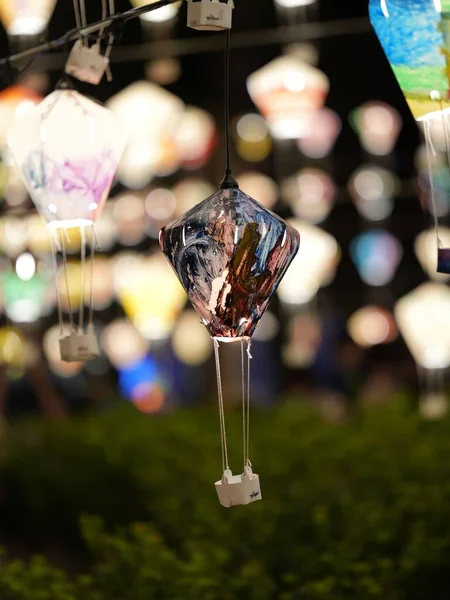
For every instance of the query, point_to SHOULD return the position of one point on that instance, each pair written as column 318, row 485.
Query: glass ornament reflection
column 230, row 254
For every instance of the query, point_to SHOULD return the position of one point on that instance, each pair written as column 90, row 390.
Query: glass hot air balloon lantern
column 230, row 253
column 67, row 150
column 415, row 36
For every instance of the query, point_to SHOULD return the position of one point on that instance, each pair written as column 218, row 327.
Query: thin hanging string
column 228, row 181
column 91, row 291
column 83, row 279
column 249, row 359
column 244, row 405
column 66, row 277
column 76, row 10
column 430, row 149
column 227, row 101
column 223, row 433
column 55, row 275
column 112, row 11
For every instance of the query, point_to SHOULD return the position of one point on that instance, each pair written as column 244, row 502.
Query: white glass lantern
column 67, row 149
column 26, row 17
column 313, row 266
column 287, row 92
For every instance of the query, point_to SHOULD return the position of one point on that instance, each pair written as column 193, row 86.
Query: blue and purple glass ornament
column 230, row 253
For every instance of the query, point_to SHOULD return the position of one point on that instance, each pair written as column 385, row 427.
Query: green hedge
column 356, row 511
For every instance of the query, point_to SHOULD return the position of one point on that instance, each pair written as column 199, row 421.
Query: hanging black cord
column 228, row 181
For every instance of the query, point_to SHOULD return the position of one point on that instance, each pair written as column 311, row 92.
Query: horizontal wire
column 202, row 44
column 73, row 34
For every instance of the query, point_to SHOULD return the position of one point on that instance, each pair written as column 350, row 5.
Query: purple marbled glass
column 230, row 253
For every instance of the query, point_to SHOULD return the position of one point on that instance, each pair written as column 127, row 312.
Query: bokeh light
column 377, row 255
column 310, row 194
column 372, row 325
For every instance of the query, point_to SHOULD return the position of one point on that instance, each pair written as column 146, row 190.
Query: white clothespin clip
column 210, row 15
column 236, row 490
column 87, row 64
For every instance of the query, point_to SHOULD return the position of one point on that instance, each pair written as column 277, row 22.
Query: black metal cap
column 229, row 182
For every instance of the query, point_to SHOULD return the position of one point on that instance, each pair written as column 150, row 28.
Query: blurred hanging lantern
column 195, row 138
column 372, row 190
column 372, row 325
column 260, row 186
column 123, row 344
column 323, row 131
column 150, row 114
column 425, row 249
column 163, row 71
column 311, row 194
column 416, row 39
column 293, row 3
column 198, row 350
column 161, row 15
column 304, row 337
column 13, row 235
column 24, row 295
column 143, row 383
column 190, row 191
column 68, row 149
column 313, row 266
column 287, row 92
column 15, row 101
column 26, row 17
column 377, row 255
column 129, row 213
column 378, row 126
column 422, row 319
column 253, row 142
column 160, row 206
column 13, row 348
column 151, row 297
column 99, row 283
column 39, row 241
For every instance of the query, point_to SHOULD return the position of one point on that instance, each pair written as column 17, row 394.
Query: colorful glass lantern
column 67, row 150
column 287, row 92
column 26, row 17
column 415, row 35
column 230, row 254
